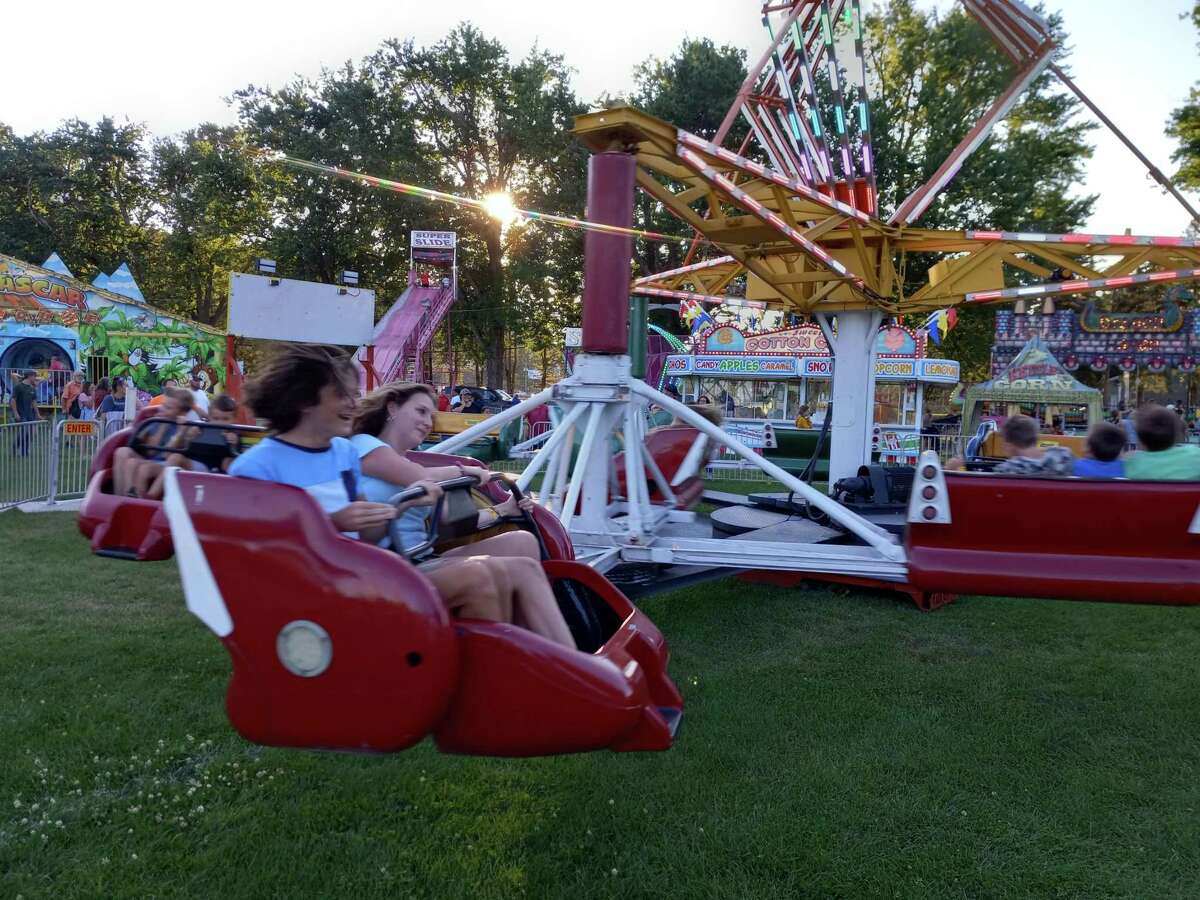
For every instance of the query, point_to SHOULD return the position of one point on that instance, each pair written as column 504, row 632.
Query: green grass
column 834, row 744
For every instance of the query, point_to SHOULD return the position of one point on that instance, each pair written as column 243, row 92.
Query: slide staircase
column 404, row 334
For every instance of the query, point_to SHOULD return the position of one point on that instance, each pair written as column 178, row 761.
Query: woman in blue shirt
column 395, row 419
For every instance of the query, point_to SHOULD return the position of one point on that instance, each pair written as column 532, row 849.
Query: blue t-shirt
column 1095, row 468
column 412, row 525
column 331, row 475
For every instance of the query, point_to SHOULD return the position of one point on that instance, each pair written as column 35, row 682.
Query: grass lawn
column 834, row 744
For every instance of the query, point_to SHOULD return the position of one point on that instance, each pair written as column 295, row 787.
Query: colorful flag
column 939, row 323
column 694, row 315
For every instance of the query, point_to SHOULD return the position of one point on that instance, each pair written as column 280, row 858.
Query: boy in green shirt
column 1160, row 457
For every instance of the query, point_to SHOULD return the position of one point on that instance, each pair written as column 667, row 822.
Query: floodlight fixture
column 349, row 279
column 264, row 266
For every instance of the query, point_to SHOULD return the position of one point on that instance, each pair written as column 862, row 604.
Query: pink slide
column 403, row 335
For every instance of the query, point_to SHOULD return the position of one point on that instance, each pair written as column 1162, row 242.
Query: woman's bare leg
column 534, row 604
column 510, row 543
column 469, row 590
column 144, row 477
column 123, row 464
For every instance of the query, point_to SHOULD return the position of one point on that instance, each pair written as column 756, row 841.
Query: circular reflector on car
column 304, row 648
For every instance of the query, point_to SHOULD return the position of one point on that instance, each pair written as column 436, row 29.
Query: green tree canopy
column 936, row 76
column 693, row 88
column 1185, row 128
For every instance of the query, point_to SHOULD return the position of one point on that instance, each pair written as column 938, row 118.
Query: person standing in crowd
column 103, row 389
column 87, row 407
column 199, row 397
column 113, row 405
column 1161, row 457
column 471, row 403
column 803, row 418
column 70, row 396
column 24, row 407
column 166, row 386
column 443, row 400
column 1130, row 431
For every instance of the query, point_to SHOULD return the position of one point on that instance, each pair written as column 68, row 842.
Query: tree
column 483, row 125
column 692, row 89
column 936, row 76
column 82, row 190
column 1185, row 128
column 357, row 118
column 214, row 205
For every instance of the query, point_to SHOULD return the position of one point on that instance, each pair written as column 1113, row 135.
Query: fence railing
column 947, row 446
column 26, row 451
column 75, row 443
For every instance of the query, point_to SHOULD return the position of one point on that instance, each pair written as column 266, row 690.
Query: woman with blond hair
column 397, row 418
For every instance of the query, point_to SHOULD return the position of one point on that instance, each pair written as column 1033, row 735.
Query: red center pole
column 607, row 257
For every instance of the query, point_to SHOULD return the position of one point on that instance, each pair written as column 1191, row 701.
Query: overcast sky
column 170, row 65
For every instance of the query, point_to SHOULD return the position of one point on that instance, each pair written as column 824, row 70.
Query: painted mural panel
column 50, row 320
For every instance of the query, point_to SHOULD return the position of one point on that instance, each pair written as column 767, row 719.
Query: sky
column 171, row 65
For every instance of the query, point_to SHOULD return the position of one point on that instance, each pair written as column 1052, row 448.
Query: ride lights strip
column 810, row 150
column 749, row 165
column 701, row 298
column 763, row 141
column 444, row 197
column 784, row 148
column 839, row 103
column 1138, row 240
column 694, row 267
column 1079, row 286
column 695, row 162
column 795, row 117
column 799, row 52
column 864, row 109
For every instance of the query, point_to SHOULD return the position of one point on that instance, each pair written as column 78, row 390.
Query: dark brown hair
column 224, row 403
column 1020, row 432
column 182, row 397
column 372, row 412
column 1157, row 427
column 291, row 382
column 1106, row 441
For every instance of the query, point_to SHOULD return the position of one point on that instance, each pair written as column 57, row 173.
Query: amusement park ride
column 337, row 644
column 804, row 230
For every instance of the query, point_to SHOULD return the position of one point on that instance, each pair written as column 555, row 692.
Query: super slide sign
column 433, row 240
column 283, row 309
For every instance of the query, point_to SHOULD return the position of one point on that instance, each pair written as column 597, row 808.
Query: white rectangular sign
column 283, row 309
column 573, row 337
column 435, row 240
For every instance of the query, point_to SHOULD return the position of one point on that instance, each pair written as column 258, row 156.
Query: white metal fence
column 75, row 443
column 26, row 449
column 48, row 459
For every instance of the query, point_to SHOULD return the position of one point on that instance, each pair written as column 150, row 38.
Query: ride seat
column 1073, row 538
column 337, row 644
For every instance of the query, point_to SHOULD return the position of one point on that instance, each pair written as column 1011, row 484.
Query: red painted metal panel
column 606, row 257
column 1080, row 539
column 399, row 667
column 276, row 559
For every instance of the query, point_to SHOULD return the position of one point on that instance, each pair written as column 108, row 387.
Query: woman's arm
column 386, row 464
